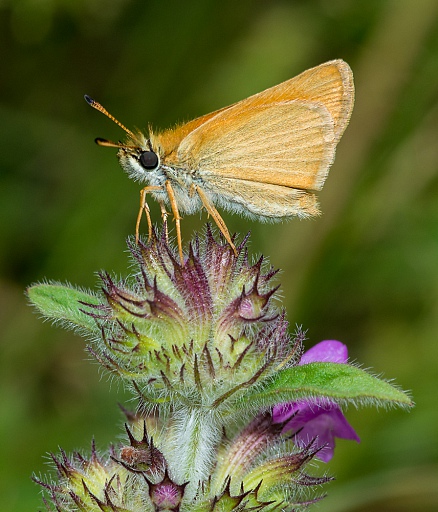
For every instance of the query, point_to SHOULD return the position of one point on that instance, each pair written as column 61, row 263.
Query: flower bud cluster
column 198, row 333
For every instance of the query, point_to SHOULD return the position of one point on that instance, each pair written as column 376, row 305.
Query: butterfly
column 264, row 157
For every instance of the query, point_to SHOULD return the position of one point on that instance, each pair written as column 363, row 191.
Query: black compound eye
column 148, row 160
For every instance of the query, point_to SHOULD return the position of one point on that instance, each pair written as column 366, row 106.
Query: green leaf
column 341, row 382
column 63, row 303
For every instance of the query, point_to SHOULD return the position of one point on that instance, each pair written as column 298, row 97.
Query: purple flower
column 317, row 419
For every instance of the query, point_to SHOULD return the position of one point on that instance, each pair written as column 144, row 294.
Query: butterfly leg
column 144, row 208
column 216, row 217
column 174, row 206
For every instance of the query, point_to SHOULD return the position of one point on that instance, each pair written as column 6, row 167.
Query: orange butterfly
column 263, row 157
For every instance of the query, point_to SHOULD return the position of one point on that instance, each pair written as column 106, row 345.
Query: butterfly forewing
column 330, row 84
column 289, row 144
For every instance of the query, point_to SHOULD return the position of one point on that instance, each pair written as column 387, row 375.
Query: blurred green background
column 366, row 272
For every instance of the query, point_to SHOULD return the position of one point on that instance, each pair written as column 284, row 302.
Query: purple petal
column 328, row 351
column 321, row 423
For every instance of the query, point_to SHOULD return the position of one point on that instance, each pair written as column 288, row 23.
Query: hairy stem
column 196, row 434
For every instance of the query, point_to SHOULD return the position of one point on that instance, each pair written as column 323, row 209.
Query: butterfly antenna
column 99, row 107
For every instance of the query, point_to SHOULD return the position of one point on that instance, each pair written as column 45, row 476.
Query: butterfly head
column 137, row 157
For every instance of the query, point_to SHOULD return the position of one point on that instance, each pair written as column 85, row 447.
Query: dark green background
column 366, row 272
